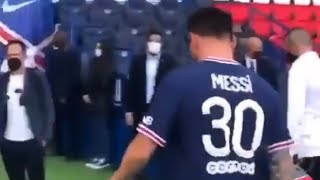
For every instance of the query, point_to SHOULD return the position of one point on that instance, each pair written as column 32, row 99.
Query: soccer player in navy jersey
column 209, row 118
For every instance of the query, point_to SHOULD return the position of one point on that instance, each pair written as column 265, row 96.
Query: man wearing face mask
column 26, row 116
column 146, row 72
column 262, row 65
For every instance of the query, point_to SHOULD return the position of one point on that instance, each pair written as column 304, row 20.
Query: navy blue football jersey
column 212, row 117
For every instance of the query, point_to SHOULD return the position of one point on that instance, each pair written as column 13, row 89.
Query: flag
column 31, row 21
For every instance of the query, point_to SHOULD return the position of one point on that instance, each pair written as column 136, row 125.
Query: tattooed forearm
column 282, row 165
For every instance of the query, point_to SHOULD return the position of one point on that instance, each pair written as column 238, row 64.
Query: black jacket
column 268, row 70
column 36, row 97
column 135, row 100
column 100, row 88
column 63, row 71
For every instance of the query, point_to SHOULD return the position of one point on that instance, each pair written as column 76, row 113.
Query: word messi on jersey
column 232, row 83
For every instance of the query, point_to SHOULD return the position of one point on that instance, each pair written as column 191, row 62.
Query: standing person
column 304, row 101
column 99, row 98
column 26, row 117
column 61, row 60
column 146, row 72
column 262, row 65
column 210, row 117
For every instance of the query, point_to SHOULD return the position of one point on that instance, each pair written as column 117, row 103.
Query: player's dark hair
column 16, row 41
column 212, row 22
column 153, row 31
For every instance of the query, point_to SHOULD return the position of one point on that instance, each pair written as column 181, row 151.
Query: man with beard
column 26, row 116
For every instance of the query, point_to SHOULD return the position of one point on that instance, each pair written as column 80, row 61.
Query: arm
column 282, row 167
column 153, row 130
column 136, row 157
column 278, row 141
column 48, row 107
column 296, row 99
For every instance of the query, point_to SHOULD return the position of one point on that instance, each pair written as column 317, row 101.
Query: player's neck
column 220, row 52
column 305, row 49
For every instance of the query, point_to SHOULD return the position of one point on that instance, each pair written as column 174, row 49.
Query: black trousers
column 312, row 167
column 22, row 159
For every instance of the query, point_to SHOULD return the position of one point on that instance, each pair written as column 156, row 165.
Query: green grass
column 58, row 169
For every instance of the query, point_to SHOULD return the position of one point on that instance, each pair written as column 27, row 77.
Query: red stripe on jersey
column 151, row 134
column 280, row 145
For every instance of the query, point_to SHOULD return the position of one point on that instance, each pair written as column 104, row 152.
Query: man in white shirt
column 304, row 101
column 26, row 116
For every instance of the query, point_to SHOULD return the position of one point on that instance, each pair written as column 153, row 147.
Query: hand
column 62, row 100
column 43, row 143
column 129, row 119
column 115, row 176
column 86, row 99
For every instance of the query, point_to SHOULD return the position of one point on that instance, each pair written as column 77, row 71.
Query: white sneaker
column 92, row 162
column 100, row 164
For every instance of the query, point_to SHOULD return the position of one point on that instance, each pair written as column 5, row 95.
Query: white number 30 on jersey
column 222, row 124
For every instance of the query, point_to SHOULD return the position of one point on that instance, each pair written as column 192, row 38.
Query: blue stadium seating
column 72, row 2
column 103, row 16
column 92, row 35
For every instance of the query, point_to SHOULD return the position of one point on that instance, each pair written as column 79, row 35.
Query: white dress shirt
column 251, row 63
column 18, row 128
column 304, row 105
column 152, row 64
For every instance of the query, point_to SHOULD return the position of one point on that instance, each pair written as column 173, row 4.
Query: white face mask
column 98, row 52
column 154, row 47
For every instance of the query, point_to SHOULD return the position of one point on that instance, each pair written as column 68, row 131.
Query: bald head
column 254, row 44
column 298, row 41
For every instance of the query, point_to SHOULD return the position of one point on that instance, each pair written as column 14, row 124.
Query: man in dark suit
column 26, row 116
column 66, row 95
column 262, row 65
column 145, row 74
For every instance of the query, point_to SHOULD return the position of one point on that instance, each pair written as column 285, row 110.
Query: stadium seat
column 170, row 45
column 92, row 35
column 261, row 27
column 72, row 16
column 103, row 16
column 283, row 13
column 122, row 59
column 136, row 20
column 224, row 6
column 263, row 8
column 125, row 39
column 72, row 2
column 302, row 13
column 170, row 4
column 108, row 4
column 141, row 5
column 203, row 3
column 240, row 13
column 169, row 20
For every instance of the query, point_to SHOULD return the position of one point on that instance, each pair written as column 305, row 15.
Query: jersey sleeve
column 276, row 132
column 157, row 122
